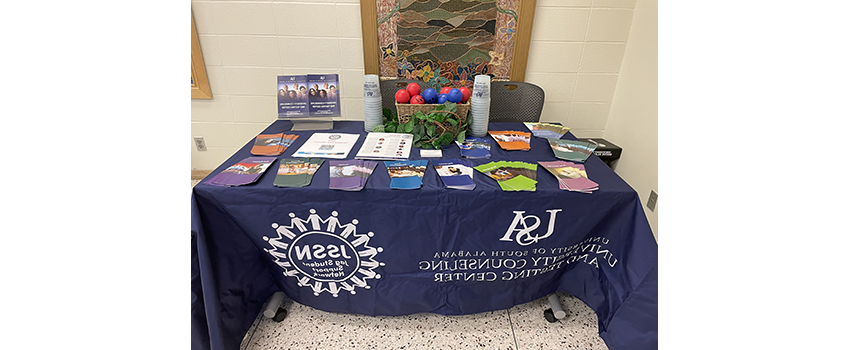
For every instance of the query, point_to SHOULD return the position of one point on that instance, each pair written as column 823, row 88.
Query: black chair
column 514, row 101
column 389, row 88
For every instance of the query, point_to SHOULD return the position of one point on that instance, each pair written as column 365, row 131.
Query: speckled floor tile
column 308, row 328
column 578, row 330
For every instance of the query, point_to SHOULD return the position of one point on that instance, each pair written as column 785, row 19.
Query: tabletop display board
column 384, row 251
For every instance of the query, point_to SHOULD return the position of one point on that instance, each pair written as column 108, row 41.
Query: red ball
column 466, row 93
column 413, row 89
column 402, row 96
column 445, row 90
column 417, row 100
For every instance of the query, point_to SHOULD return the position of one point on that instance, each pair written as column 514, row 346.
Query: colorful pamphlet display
column 309, row 101
column 511, row 176
column 297, row 172
column 546, row 130
column 406, row 174
column 385, row 146
column 327, row 145
column 576, row 151
column 350, row 175
column 512, row 140
column 246, row 171
column 571, row 176
column 474, row 148
column 455, row 173
column 272, row 144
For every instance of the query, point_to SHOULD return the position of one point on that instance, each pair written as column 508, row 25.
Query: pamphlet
column 350, row 175
column 474, row 148
column 406, row 174
column 511, row 176
column 272, row 144
column 385, row 146
column 571, row 176
column 455, row 173
column 297, row 172
column 311, row 95
column 512, row 140
column 572, row 150
column 327, row 145
column 246, row 171
column 546, row 130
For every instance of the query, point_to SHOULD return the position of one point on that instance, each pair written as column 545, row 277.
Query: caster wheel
column 549, row 315
column 281, row 314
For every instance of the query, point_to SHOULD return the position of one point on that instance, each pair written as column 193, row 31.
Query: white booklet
column 327, row 145
column 385, row 146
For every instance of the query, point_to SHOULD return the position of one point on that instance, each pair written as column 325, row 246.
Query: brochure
column 406, row 174
column 511, row 176
column 327, row 145
column 474, row 147
column 296, row 172
column 350, row 175
column 546, row 130
column 572, row 150
column 455, row 173
column 272, row 144
column 385, row 146
column 311, row 95
column 571, row 176
column 246, row 171
column 512, row 140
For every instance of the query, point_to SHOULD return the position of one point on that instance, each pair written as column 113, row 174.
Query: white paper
column 431, row 153
column 327, row 145
column 386, row 146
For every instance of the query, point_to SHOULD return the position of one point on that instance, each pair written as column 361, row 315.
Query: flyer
column 327, row 145
column 385, row 146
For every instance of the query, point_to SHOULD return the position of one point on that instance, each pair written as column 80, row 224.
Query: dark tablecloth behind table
column 608, row 256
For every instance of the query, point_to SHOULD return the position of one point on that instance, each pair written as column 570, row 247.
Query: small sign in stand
column 313, row 123
column 309, row 101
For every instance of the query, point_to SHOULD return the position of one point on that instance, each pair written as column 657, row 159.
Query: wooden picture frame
column 200, row 83
column 371, row 49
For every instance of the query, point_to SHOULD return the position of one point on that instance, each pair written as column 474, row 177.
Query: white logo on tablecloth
column 328, row 258
column 524, row 236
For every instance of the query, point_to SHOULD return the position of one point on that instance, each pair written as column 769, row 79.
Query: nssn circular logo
column 324, row 254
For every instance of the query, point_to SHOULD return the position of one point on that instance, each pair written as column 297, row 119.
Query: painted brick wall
column 576, row 50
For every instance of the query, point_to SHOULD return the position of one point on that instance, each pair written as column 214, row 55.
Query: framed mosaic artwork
column 447, row 42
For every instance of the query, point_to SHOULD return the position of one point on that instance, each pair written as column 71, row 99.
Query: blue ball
column 442, row 98
column 455, row 96
column 430, row 95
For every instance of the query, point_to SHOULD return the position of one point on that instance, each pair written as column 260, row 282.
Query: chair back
column 389, row 88
column 514, row 101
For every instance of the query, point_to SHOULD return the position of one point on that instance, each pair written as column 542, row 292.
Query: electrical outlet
column 653, row 198
column 200, row 144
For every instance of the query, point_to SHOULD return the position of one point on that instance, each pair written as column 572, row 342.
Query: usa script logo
column 524, row 234
column 324, row 254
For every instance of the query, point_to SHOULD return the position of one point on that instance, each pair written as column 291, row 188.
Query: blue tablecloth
column 381, row 251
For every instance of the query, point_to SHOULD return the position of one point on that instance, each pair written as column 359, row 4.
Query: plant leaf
column 431, row 130
column 378, row 128
column 461, row 136
column 390, row 128
column 452, row 121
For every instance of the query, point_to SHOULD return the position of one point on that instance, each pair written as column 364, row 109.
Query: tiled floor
column 518, row 328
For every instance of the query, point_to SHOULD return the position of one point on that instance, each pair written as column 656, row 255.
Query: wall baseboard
column 200, row 174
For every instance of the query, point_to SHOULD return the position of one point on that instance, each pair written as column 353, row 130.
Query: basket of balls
column 434, row 119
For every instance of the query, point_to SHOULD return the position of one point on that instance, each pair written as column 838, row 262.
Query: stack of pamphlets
column 385, row 146
column 406, row 174
column 297, row 172
column 512, row 140
column 511, row 176
column 546, row 130
column 246, row 171
column 327, row 145
column 455, row 173
column 272, row 144
column 350, row 175
column 474, row 147
column 576, row 151
column 571, row 176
